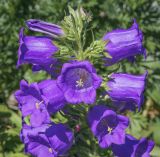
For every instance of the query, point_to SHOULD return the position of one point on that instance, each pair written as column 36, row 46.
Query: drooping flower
column 127, row 89
column 53, row 142
column 35, row 49
column 79, row 82
column 124, row 43
column 107, row 126
column 32, row 104
column 53, row 95
column 44, row 27
column 133, row 147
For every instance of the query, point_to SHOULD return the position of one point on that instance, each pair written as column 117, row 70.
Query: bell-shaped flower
column 127, row 89
column 107, row 126
column 124, row 43
column 32, row 104
column 35, row 49
column 52, row 142
column 79, row 81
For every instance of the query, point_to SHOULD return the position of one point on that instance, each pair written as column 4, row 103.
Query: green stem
column 81, row 55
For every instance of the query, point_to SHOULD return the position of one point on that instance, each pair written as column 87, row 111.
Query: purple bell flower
column 53, row 95
column 35, row 49
column 107, row 126
column 53, row 142
column 32, row 104
column 124, row 43
column 44, row 27
column 127, row 89
column 79, row 81
column 133, row 148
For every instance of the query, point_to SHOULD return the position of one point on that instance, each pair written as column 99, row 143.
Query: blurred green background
column 107, row 15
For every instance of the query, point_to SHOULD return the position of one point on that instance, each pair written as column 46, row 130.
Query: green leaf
column 154, row 94
column 138, row 123
column 155, row 128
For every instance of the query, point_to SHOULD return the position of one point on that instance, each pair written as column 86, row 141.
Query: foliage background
column 107, row 15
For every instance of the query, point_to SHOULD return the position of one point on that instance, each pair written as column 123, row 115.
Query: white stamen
column 38, row 104
column 79, row 83
column 109, row 130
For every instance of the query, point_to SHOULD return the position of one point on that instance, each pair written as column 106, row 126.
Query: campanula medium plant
column 78, row 86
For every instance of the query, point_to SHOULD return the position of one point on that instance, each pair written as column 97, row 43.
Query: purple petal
column 51, row 66
column 107, row 126
column 53, row 95
column 28, row 130
column 123, row 90
column 124, row 43
column 60, row 137
column 133, row 147
column 35, row 49
column 39, row 117
column 79, row 81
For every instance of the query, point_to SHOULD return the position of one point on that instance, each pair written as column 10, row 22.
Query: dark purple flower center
column 107, row 125
column 78, row 78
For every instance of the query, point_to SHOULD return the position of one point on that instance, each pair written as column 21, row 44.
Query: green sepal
column 104, row 85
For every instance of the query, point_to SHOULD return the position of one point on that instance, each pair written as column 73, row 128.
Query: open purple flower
column 127, row 89
column 35, row 49
column 79, row 82
column 31, row 103
column 55, row 141
column 133, row 148
column 124, row 43
column 53, row 95
column 107, row 126
column 44, row 27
